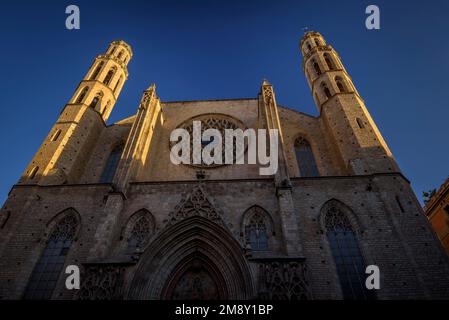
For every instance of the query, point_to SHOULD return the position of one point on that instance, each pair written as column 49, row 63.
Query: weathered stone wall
column 411, row 261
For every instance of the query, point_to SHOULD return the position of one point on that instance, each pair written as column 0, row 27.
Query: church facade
column 107, row 199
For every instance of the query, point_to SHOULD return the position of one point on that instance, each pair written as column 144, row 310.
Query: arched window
column 96, row 100
column 305, row 159
column 112, row 50
column 140, row 234
column 317, row 42
column 51, row 262
column 109, row 76
column 329, row 62
column 309, row 47
column 120, row 55
column 117, row 84
column 256, row 228
column 360, row 123
column 340, row 85
column 55, row 135
column 316, row 67
column 82, row 95
column 326, row 90
column 97, row 71
column 345, row 251
column 33, row 172
column 111, row 164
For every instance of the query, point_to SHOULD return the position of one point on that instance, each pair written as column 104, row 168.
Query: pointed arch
column 138, row 231
column 120, row 55
column 96, row 100
column 63, row 231
column 193, row 238
column 82, row 95
column 329, row 61
column 257, row 228
column 340, row 228
column 305, row 159
column 341, row 84
column 97, row 71
column 326, row 90
column 316, row 67
column 109, row 75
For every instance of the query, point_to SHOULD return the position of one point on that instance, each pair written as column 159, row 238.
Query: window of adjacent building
column 51, row 262
column 346, row 253
column 305, row 159
column 111, row 164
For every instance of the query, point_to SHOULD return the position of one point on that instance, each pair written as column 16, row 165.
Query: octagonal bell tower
column 360, row 145
column 68, row 146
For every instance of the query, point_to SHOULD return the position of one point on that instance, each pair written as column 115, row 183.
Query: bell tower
column 345, row 117
column 66, row 149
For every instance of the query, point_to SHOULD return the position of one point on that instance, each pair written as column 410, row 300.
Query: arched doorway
column 196, row 278
column 192, row 259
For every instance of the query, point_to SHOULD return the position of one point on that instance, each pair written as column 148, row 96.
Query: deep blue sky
column 197, row 50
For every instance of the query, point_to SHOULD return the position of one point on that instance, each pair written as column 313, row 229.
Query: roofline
column 210, row 100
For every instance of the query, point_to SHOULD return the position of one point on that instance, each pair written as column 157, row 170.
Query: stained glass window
column 256, row 232
column 305, row 159
column 48, row 269
column 111, row 164
column 139, row 235
column 346, row 253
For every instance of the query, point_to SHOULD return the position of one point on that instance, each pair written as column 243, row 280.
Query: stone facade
column 437, row 211
column 156, row 230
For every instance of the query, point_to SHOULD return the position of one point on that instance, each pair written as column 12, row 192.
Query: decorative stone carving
column 335, row 217
column 283, row 279
column 208, row 121
column 65, row 229
column 102, row 281
column 196, row 204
